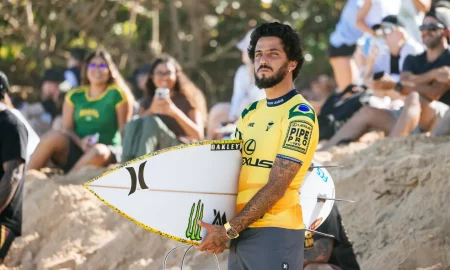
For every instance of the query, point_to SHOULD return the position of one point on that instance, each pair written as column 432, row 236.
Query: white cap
column 245, row 42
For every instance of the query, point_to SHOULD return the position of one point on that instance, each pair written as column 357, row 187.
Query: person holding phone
column 172, row 112
column 93, row 117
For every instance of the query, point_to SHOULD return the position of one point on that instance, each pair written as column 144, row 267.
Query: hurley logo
column 193, row 229
column 134, row 178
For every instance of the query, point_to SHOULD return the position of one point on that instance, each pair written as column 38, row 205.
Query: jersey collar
column 281, row 100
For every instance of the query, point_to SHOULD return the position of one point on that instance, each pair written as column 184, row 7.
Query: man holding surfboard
column 280, row 136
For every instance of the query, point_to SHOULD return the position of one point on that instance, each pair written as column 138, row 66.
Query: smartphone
column 162, row 93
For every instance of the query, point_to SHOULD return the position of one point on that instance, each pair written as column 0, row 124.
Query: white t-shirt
column 383, row 61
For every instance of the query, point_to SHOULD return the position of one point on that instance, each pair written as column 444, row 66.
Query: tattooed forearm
column 281, row 175
column 320, row 252
column 10, row 181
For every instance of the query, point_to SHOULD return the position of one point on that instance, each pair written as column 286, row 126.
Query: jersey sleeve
column 120, row 97
column 299, row 134
column 69, row 98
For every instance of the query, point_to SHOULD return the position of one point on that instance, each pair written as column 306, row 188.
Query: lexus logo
column 250, row 147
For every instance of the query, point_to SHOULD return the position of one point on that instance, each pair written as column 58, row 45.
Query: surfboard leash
column 189, row 247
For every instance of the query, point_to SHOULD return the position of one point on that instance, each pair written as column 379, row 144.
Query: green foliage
column 37, row 34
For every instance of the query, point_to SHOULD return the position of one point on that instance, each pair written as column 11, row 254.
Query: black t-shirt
column 13, row 145
column 342, row 254
column 418, row 64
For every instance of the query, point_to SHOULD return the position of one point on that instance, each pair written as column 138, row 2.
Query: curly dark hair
column 291, row 42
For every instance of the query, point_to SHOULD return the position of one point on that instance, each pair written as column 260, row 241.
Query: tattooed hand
column 216, row 239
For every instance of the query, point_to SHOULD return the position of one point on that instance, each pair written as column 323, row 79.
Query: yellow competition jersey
column 287, row 128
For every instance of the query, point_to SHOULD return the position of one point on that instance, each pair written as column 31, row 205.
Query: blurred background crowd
column 89, row 77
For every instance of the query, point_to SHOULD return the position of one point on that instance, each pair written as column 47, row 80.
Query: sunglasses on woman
column 431, row 27
column 99, row 66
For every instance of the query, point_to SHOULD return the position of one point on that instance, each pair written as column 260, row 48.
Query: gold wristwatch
column 231, row 232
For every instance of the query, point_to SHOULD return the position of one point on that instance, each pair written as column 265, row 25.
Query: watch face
column 231, row 233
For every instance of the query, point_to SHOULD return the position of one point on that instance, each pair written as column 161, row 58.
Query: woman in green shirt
column 93, row 118
column 165, row 121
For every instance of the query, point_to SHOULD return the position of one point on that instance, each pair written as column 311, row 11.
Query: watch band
column 231, row 232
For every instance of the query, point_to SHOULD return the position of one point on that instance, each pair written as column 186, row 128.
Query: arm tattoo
column 10, row 181
column 281, row 175
column 320, row 252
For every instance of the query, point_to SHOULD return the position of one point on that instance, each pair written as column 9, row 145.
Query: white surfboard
column 167, row 191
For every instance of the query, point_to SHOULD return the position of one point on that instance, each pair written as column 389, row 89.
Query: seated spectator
column 223, row 116
column 42, row 115
column 93, row 116
column 324, row 253
column 370, row 14
column 424, row 82
column 387, row 66
column 165, row 121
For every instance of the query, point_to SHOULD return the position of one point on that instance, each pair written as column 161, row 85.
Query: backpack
column 337, row 110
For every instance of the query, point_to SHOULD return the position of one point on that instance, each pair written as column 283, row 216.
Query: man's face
column 432, row 32
column 271, row 63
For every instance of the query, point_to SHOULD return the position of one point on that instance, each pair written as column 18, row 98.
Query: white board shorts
column 267, row 249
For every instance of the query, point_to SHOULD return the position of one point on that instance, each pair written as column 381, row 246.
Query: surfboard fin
column 319, row 233
column 323, row 199
column 312, row 167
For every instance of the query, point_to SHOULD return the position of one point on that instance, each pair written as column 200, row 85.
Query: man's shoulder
column 298, row 106
column 250, row 109
column 9, row 121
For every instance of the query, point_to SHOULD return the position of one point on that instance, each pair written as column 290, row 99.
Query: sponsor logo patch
column 225, row 146
column 298, row 136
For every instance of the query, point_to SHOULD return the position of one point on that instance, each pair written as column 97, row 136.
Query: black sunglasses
column 431, row 27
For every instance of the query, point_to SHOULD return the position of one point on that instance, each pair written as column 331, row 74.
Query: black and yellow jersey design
column 286, row 128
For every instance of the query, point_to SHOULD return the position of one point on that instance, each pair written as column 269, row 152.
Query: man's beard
column 268, row 82
column 435, row 42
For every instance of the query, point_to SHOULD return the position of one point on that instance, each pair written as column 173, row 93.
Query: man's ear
column 447, row 32
column 292, row 65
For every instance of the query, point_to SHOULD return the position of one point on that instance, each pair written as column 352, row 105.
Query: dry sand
column 401, row 219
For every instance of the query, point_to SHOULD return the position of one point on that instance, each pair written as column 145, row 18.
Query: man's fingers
column 204, row 225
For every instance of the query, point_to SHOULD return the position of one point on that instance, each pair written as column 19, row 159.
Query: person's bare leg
column 443, row 128
column 97, row 156
column 53, row 145
column 416, row 111
column 318, row 266
column 361, row 122
column 217, row 114
column 409, row 116
column 345, row 71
